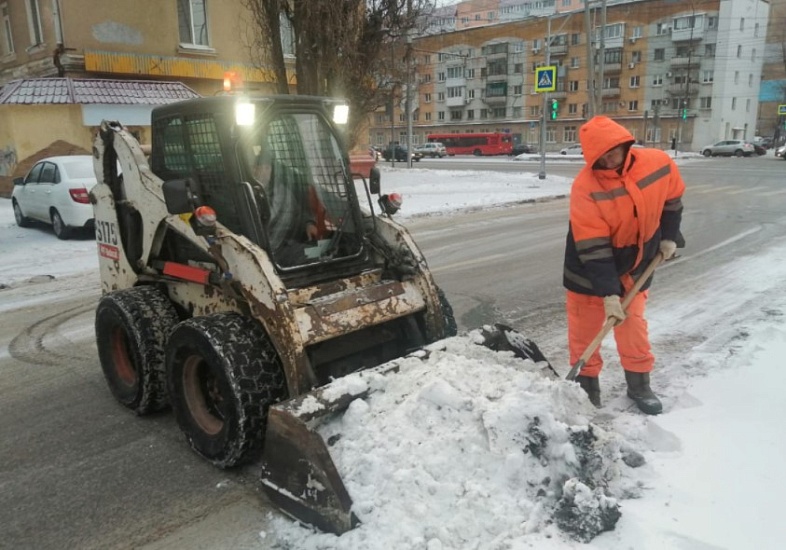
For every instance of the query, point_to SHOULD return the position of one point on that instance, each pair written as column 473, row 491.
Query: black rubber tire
column 448, row 317
column 132, row 326
column 223, row 373
column 477, row 153
column 62, row 231
column 738, row 153
column 21, row 220
column 707, row 153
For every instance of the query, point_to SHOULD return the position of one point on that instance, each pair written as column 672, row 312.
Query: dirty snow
column 460, row 460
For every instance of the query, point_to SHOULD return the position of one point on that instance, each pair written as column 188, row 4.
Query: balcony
column 610, row 92
column 496, row 99
column 558, row 95
column 458, row 101
column 460, row 82
column 681, row 91
column 611, row 67
column 558, row 49
column 685, row 62
column 683, row 35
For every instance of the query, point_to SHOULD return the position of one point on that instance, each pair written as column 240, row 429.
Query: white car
column 55, row 191
column 432, row 149
column 574, row 149
column 781, row 152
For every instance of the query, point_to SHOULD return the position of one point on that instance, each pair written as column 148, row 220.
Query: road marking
column 471, row 263
column 746, row 190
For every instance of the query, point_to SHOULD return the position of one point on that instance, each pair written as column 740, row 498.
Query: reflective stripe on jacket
column 618, row 218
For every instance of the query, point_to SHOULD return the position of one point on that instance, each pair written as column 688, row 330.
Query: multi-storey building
column 667, row 71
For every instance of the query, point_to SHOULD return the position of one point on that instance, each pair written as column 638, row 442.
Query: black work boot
column 639, row 390
column 591, row 385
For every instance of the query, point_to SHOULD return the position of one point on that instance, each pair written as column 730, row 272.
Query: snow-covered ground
column 470, row 449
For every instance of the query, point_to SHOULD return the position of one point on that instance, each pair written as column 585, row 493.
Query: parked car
column 55, row 192
column 433, row 149
column 729, row 147
column 400, row 154
column 781, row 152
column 574, row 149
column 523, row 148
column 759, row 149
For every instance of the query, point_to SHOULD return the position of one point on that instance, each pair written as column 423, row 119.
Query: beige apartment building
column 679, row 72
column 125, row 58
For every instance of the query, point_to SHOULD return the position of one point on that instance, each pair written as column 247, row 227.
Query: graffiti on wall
column 7, row 161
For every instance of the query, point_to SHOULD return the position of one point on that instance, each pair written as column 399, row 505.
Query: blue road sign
column 546, row 79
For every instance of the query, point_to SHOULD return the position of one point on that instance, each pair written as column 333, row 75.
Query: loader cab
column 275, row 170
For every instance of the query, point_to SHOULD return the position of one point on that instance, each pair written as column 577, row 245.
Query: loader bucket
column 298, row 473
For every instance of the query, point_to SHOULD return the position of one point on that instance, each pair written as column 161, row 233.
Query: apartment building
column 668, row 71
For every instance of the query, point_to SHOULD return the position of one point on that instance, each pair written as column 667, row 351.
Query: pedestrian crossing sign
column 546, row 79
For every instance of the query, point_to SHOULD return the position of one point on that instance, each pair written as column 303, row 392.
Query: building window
column 574, row 62
column 657, row 80
column 633, row 105
column 470, row 73
column 8, row 38
column 573, row 86
column 440, row 96
column 636, row 33
column 750, row 81
column 551, row 135
column 455, row 72
column 484, row 114
column 753, row 55
column 441, row 77
column 498, row 112
column 569, row 134
column 455, row 91
column 534, row 111
column 470, row 94
column 709, row 50
column 573, row 108
column 756, row 30
column 455, row 115
column 34, row 23
column 705, row 102
column 739, row 51
column 518, row 89
column 634, row 82
column 659, row 54
column 516, row 112
column 427, row 98
column 518, row 68
column 708, row 76
column 428, row 116
column 734, row 104
column 712, row 22
column 635, row 57
column 441, row 115
column 192, row 22
column 742, row 23
column 609, row 106
column 736, row 77
column 470, row 114
column 575, row 39
column 748, row 105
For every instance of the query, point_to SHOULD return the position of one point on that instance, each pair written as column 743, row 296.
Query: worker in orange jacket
column 625, row 207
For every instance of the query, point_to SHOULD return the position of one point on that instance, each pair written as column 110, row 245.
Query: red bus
column 475, row 144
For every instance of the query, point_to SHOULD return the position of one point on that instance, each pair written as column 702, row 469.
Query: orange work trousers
column 586, row 317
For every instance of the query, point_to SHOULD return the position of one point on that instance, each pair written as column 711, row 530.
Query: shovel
column 610, row 322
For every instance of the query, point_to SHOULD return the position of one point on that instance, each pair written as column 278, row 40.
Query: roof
column 57, row 91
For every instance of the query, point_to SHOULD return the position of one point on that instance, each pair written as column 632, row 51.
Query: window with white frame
column 748, row 105
column 518, row 89
column 636, row 32
column 440, row 96
column 573, row 108
column 756, row 30
column 712, row 22
column 428, row 116
column 573, row 86
column 739, row 50
column 634, row 81
column 736, row 77
column 192, row 22
column 615, row 30
column 635, row 56
column 470, row 73
column 633, row 105
column 574, row 62
column 705, row 102
column 551, row 134
column 455, row 115
column 470, row 94
column 534, row 111
column 455, row 72
column 707, row 76
column 5, row 30
column 427, row 98
column 441, row 115
column 657, row 80
column 440, row 77
column 470, row 114
column 742, row 23
column 750, row 81
column 34, row 22
column 753, row 56
column 455, row 91
column 734, row 104
column 689, row 22
column 569, row 134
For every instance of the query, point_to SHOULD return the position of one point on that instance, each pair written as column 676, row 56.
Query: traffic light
column 554, row 109
column 684, row 113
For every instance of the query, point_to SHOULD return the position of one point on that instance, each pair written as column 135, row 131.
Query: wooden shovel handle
column 610, row 322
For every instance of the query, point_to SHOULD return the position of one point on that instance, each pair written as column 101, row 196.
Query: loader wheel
column 223, row 373
column 132, row 326
column 448, row 317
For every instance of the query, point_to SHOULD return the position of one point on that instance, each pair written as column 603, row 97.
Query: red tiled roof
column 54, row 91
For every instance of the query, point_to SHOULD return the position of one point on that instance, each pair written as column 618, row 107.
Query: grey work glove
column 668, row 249
column 613, row 308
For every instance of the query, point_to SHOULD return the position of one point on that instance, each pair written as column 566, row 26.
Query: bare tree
column 343, row 48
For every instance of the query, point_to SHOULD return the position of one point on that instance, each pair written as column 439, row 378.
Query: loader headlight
column 244, row 113
column 390, row 203
column 205, row 216
column 340, row 113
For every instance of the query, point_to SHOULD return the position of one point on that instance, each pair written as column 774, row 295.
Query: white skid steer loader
column 240, row 275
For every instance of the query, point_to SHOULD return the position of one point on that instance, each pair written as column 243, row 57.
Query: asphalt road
column 79, row 471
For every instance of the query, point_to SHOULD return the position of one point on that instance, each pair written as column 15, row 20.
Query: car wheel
column 223, row 373
column 477, row 152
column 738, row 153
column 131, row 327
column 21, row 219
column 563, row 153
column 707, row 153
column 62, row 231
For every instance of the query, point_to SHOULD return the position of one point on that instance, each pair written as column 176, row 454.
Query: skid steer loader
column 241, row 273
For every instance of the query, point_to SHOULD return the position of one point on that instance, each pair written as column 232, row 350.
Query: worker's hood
column 599, row 135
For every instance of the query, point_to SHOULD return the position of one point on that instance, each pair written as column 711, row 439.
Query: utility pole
column 601, row 56
column 542, row 173
column 408, row 100
column 684, row 102
column 590, row 61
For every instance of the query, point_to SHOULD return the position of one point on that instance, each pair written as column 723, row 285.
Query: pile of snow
column 469, row 445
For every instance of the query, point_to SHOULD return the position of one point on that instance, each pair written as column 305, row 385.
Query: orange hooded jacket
column 618, row 217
